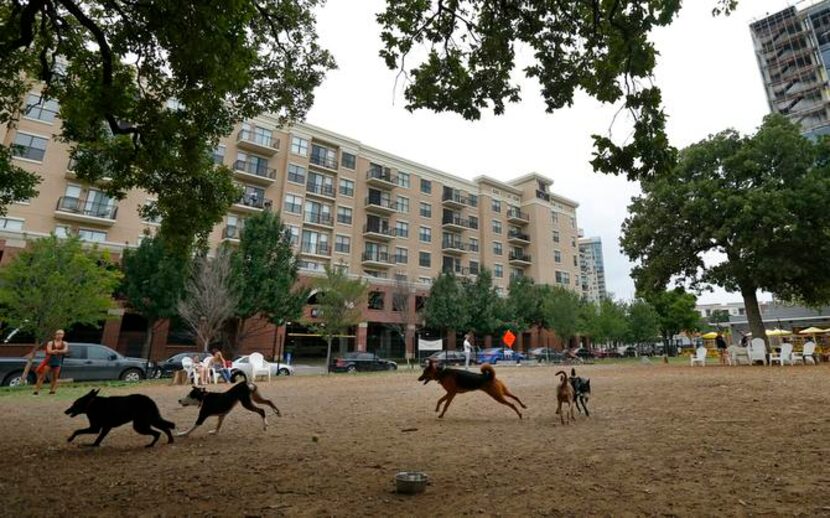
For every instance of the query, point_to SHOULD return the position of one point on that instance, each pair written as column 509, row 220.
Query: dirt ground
column 661, row 440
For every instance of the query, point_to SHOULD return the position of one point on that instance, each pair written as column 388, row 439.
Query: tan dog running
column 564, row 395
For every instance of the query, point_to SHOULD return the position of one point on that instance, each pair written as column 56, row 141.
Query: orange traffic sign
column 509, row 338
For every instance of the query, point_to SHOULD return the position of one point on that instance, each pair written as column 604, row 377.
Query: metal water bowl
column 411, row 482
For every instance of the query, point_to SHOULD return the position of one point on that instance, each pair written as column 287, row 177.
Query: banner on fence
column 430, row 345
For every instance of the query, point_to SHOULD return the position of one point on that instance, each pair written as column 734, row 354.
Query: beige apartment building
column 390, row 220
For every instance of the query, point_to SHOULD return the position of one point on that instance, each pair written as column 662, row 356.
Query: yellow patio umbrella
column 710, row 335
column 778, row 332
column 812, row 331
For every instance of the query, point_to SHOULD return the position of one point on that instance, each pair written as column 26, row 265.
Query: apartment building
column 390, row 220
column 792, row 47
column 592, row 269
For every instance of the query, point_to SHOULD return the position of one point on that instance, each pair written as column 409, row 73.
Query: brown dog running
column 456, row 381
column 564, row 395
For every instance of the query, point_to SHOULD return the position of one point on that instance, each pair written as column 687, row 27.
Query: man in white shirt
column 468, row 349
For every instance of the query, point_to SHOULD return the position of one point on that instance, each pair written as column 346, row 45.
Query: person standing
column 721, row 345
column 56, row 350
column 468, row 349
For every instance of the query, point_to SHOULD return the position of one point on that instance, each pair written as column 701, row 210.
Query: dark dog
column 564, row 396
column 582, row 391
column 106, row 413
column 221, row 403
column 457, row 381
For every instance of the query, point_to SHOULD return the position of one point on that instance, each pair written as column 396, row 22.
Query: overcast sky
column 707, row 71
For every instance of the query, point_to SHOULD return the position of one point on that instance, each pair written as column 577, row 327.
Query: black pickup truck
column 85, row 362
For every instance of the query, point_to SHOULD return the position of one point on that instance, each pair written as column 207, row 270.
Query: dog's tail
column 564, row 376
column 488, row 371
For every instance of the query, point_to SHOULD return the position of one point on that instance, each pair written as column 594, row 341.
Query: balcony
column 518, row 237
column 251, row 203
column 231, row 234
column 380, row 205
column 322, row 190
column 457, row 270
column 318, row 249
column 515, row 277
column 453, row 246
column 376, row 231
column 517, row 216
column 520, row 259
column 257, row 142
column 80, row 210
column 454, row 199
column 380, row 259
column 319, row 219
column 323, row 160
column 250, row 171
column 456, row 222
column 381, row 178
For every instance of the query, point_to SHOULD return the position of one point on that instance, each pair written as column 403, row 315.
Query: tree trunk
column 753, row 314
column 328, row 355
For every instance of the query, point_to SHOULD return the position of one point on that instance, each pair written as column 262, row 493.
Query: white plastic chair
column 189, row 367
column 757, row 351
column 699, row 357
column 735, row 354
column 258, row 366
column 210, row 372
column 808, row 353
column 786, row 355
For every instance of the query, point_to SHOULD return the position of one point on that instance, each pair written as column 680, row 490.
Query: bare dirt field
column 661, row 440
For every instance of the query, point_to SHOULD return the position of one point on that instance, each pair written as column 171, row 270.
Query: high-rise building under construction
column 793, row 51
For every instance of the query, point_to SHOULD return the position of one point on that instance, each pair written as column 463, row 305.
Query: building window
column 11, row 224
column 299, row 146
column 573, row 222
column 426, row 186
column 312, row 266
column 61, row 231
column 402, row 229
column 38, row 109
column 29, row 147
column 428, row 282
column 425, row 235
column 376, row 300
column 344, row 215
column 473, row 267
column 497, row 248
column 346, row 187
column 498, row 271
column 576, row 260
column 473, row 200
column 401, row 255
column 95, row 236
column 403, row 204
column 555, row 236
column 497, row 226
column 296, row 173
column 473, row 222
column 557, row 256
column 426, row 210
column 563, row 277
column 496, row 206
column 219, row 154
column 347, row 160
column 293, row 234
column 315, row 243
column 342, row 244
column 473, row 244
column 293, row 204
column 400, row 300
column 424, row 259
column 403, row 180
column 573, row 242
column 554, row 217
column 256, row 134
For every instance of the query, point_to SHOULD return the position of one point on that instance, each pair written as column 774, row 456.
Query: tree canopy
column 605, row 321
column 642, row 322
column 484, row 306
column 210, row 297
column 266, row 272
column 146, row 89
column 465, row 56
column 757, row 201
column 446, row 307
column 524, row 304
column 562, row 309
column 154, row 278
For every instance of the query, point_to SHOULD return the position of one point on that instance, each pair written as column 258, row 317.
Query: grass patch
column 73, row 390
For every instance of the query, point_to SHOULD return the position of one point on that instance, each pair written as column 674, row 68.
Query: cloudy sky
column 707, row 71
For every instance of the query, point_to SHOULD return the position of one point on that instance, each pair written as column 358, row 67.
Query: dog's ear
column 95, row 392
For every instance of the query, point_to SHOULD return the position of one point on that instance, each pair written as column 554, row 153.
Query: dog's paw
column 181, row 434
column 212, row 432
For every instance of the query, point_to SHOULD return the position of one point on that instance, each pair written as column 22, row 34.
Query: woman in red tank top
column 56, row 349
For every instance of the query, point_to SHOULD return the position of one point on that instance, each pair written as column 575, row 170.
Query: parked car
column 448, row 358
column 546, row 354
column 174, row 363
column 242, row 365
column 496, row 354
column 361, row 361
column 585, row 354
column 85, row 362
